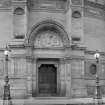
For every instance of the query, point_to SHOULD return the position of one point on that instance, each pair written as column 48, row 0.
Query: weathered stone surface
column 51, row 5
column 48, row 30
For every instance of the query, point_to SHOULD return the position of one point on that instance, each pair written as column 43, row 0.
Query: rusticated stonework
column 52, row 43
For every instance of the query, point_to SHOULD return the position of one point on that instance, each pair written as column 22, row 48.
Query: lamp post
column 98, row 96
column 6, row 97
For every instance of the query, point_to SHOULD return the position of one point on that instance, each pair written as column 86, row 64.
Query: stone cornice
column 78, row 47
column 74, row 57
column 16, row 46
column 92, row 52
column 24, row 2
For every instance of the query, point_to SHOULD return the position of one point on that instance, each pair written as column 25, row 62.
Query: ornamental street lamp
column 98, row 96
column 6, row 97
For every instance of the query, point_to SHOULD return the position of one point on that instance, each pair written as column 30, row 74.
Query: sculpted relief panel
column 5, row 3
column 47, row 4
column 48, row 39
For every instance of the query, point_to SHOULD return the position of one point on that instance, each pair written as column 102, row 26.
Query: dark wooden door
column 47, row 79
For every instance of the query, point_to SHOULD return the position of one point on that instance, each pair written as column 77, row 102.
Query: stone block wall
column 87, row 23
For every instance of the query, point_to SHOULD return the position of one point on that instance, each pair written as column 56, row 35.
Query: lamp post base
column 7, row 97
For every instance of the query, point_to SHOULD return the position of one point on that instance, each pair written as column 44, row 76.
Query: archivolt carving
column 52, row 27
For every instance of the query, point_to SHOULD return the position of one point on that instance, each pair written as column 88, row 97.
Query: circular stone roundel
column 19, row 11
column 93, row 69
column 76, row 14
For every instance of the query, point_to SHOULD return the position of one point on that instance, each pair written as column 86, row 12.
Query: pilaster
column 68, row 76
column 34, row 79
column 19, row 8
column 77, row 21
column 62, row 77
column 29, row 62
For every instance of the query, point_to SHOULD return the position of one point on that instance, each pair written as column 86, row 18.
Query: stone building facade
column 52, row 44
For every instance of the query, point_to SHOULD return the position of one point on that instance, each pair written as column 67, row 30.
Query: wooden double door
column 47, row 79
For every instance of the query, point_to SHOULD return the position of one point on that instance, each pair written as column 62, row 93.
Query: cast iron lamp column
column 6, row 97
column 98, row 96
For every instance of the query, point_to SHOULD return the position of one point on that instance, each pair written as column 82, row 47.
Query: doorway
column 47, row 79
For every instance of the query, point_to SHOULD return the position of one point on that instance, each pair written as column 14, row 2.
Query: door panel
column 47, row 79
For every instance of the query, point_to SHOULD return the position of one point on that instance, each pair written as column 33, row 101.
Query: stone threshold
column 54, row 100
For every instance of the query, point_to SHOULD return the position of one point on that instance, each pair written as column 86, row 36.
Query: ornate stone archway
column 48, row 25
column 43, row 30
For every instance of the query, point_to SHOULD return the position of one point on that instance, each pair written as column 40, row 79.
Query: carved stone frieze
column 49, row 25
column 48, row 39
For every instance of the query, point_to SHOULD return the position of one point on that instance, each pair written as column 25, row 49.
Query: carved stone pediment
column 48, row 39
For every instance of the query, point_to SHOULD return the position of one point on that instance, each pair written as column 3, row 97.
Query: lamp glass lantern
column 97, row 55
column 6, row 52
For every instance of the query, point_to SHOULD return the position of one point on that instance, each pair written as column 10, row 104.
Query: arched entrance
column 47, row 79
column 48, row 25
column 47, row 42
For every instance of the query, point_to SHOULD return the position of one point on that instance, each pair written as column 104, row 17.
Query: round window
column 93, row 69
